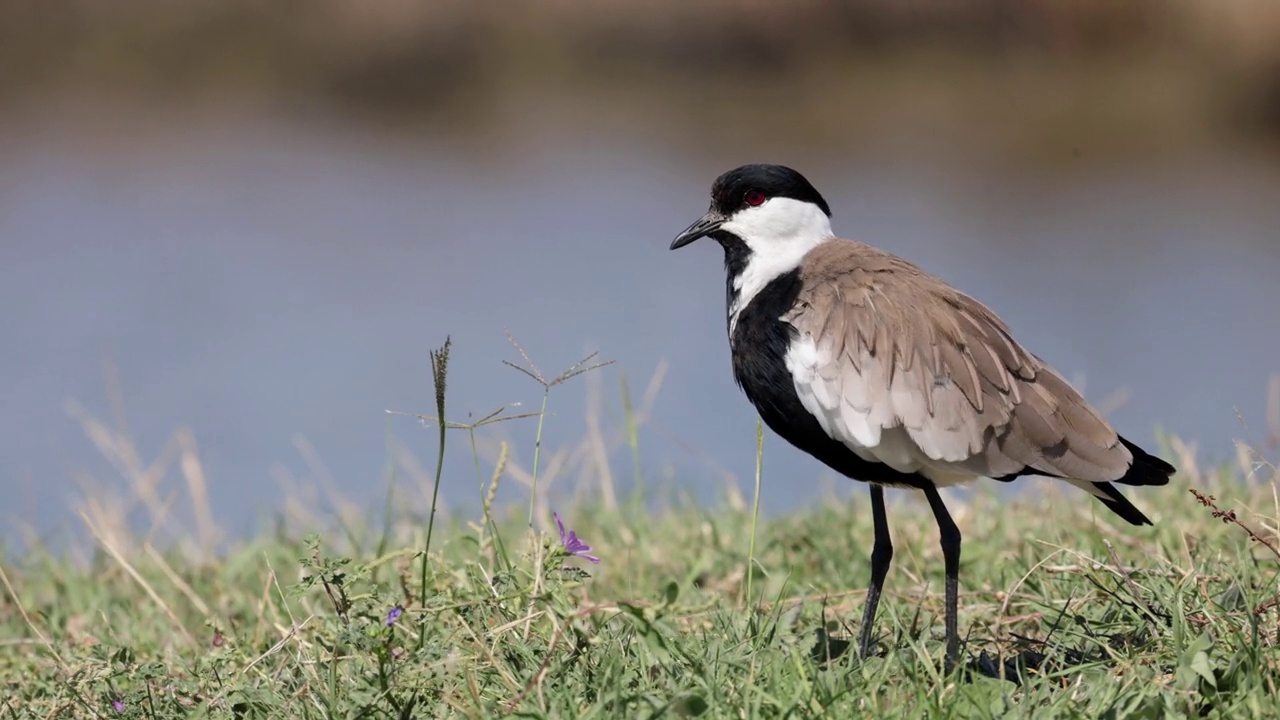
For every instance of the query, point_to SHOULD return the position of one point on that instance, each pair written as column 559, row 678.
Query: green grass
column 1085, row 616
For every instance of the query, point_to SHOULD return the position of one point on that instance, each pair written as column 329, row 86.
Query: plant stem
column 484, row 506
column 435, row 493
column 388, row 510
column 439, row 372
column 633, row 439
column 537, row 451
column 755, row 506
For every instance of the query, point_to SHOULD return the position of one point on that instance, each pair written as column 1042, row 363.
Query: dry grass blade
column 22, row 610
column 1117, row 399
column 137, row 577
column 493, row 416
column 117, row 448
column 197, row 490
column 533, row 370
column 178, row 582
column 490, row 419
column 291, row 634
column 1002, row 614
column 1273, row 411
column 1229, row 516
column 1127, row 577
column 533, row 374
column 577, row 369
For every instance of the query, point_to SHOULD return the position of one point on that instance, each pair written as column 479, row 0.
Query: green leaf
column 1195, row 664
column 671, row 593
column 1203, row 667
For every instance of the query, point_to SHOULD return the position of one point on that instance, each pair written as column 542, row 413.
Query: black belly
column 759, row 346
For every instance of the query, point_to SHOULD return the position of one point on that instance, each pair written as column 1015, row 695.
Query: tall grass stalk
column 755, row 510
column 633, row 441
column 533, row 372
column 537, row 452
column 485, row 504
column 439, row 373
column 444, row 425
column 389, row 508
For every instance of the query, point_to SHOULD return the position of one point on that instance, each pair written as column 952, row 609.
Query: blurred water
column 266, row 279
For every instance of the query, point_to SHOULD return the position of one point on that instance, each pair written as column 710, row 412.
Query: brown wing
column 906, row 370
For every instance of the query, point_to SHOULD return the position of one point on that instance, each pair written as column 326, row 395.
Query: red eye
column 754, row 197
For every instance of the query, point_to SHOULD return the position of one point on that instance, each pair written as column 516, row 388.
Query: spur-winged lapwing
column 889, row 375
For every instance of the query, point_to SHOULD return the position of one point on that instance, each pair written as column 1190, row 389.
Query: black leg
column 950, row 535
column 881, row 556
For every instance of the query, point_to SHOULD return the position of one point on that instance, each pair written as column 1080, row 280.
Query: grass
column 694, row 611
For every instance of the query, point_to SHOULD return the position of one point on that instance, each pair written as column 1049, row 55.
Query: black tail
column 1147, row 469
column 1120, row 505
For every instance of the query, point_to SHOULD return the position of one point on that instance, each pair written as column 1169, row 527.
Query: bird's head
column 771, row 209
column 766, row 218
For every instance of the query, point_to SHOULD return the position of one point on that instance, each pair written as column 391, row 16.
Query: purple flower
column 393, row 615
column 118, row 705
column 572, row 543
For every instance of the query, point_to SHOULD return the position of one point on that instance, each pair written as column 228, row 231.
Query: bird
column 890, row 376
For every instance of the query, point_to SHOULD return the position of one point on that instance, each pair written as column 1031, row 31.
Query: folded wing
column 906, row 370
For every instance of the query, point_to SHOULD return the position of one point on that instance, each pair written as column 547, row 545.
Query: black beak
column 704, row 226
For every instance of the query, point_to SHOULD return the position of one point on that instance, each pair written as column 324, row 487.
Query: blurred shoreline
column 1027, row 80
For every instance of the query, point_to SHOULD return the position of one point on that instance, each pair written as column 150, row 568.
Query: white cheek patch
column 779, row 233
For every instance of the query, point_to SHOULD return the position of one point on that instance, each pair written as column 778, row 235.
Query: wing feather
column 906, row 370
